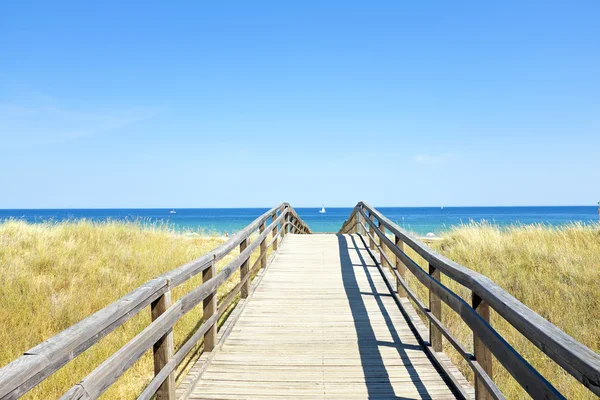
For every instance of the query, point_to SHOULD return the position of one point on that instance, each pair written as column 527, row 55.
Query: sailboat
column 322, row 210
column 172, row 212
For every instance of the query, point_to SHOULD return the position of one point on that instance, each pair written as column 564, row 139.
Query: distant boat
column 322, row 210
column 172, row 212
column 442, row 207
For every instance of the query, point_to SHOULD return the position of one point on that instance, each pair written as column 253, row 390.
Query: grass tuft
column 555, row 271
column 55, row 274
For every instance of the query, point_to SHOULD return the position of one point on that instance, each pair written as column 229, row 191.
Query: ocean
column 420, row 220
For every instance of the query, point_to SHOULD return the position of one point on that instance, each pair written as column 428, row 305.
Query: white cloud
column 31, row 117
column 428, row 159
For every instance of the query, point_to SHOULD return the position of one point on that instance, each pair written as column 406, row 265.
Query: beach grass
column 55, row 274
column 553, row 270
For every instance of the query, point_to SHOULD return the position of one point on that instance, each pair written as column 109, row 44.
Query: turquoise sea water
column 420, row 220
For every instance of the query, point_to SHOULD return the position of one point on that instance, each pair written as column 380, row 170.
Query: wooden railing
column 46, row 358
column 579, row 361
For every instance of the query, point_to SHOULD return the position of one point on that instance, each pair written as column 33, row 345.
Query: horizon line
column 267, row 208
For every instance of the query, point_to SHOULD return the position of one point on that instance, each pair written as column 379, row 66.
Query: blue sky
column 244, row 104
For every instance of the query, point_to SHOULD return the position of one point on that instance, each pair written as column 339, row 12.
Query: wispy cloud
column 433, row 160
column 32, row 117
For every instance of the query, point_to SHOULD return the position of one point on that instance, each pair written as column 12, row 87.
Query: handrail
column 43, row 360
column 578, row 360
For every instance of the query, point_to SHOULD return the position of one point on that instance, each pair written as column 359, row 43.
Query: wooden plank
column 169, row 368
column 371, row 229
column 163, row 350
column 381, row 251
column 435, row 306
column 44, row 359
column 400, row 267
column 195, row 373
column 209, row 308
column 275, row 235
column 110, row 370
column 482, row 354
column 574, row 357
column 531, row 380
column 322, row 323
column 244, row 270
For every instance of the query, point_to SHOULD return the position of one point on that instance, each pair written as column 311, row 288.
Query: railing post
column 163, row 349
column 482, row 354
column 372, row 232
column 283, row 220
column 400, row 267
column 274, row 232
column 435, row 306
column 210, row 309
column 381, row 245
column 263, row 246
column 245, row 270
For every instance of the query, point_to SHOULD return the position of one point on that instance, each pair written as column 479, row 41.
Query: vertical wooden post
column 435, row 306
column 482, row 354
column 400, row 267
column 245, row 270
column 283, row 223
column 210, row 309
column 274, row 232
column 372, row 232
column 381, row 245
column 263, row 246
column 163, row 349
column 361, row 229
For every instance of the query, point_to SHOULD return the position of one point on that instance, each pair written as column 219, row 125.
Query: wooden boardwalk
column 322, row 324
column 322, row 319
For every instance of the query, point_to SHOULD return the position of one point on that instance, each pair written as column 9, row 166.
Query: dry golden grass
column 54, row 275
column 554, row 271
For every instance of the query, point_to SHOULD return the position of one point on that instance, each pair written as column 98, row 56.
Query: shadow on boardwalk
column 377, row 379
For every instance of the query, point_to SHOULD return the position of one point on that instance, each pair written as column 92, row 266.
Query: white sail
column 322, row 210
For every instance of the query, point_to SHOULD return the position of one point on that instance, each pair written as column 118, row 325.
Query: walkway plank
column 321, row 324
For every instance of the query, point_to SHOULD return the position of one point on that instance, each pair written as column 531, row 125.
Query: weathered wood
column 275, row 235
column 482, row 354
column 163, row 349
column 38, row 363
column 414, row 321
column 400, row 267
column 381, row 247
column 300, row 223
column 435, row 305
column 44, row 359
column 110, row 370
column 531, row 380
column 283, row 223
column 189, row 382
column 578, row 360
column 371, row 232
column 244, row 270
column 209, row 308
column 170, row 367
column 427, row 312
column 339, row 342
column 225, row 303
